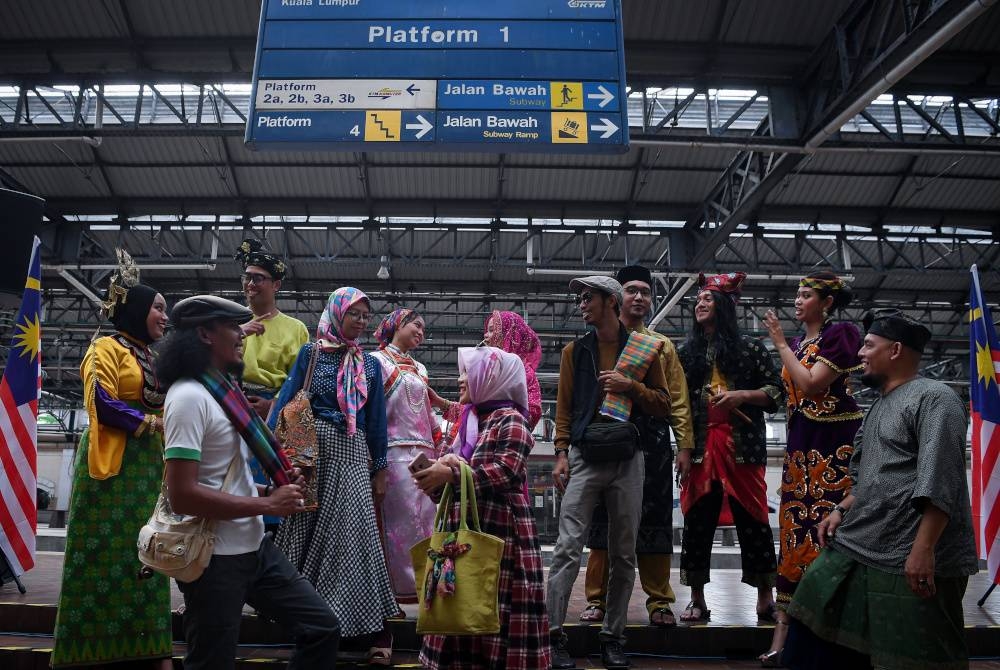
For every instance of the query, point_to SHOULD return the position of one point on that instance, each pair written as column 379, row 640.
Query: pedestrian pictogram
column 566, row 94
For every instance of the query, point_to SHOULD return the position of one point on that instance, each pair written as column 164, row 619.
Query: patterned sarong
column 633, row 362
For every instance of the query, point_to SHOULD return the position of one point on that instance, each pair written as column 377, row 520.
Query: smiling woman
column 107, row 612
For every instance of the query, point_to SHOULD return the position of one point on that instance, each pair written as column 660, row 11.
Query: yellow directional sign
column 382, row 125
column 566, row 94
column 569, row 127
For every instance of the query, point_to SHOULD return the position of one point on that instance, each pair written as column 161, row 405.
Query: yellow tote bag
column 458, row 571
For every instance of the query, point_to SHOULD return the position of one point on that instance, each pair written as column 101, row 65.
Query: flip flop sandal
column 593, row 614
column 667, row 619
column 688, row 616
column 771, row 659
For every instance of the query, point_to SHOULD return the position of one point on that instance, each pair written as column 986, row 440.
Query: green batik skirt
column 106, row 613
column 875, row 613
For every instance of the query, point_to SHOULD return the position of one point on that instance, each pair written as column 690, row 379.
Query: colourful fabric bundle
column 633, row 362
column 248, row 424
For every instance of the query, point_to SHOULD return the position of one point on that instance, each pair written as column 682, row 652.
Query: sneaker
column 560, row 652
column 613, row 655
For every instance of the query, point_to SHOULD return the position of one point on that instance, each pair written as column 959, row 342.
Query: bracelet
column 842, row 510
column 268, row 489
column 562, row 450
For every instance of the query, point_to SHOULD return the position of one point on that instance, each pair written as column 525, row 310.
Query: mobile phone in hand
column 420, row 462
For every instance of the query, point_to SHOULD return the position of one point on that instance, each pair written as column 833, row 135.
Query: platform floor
column 728, row 641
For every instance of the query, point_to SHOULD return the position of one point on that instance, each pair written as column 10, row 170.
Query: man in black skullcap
column 207, row 429
column 887, row 590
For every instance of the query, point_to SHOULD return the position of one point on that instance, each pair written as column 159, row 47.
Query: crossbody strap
column 307, row 384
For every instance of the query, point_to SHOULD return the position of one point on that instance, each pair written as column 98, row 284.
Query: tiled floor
column 732, row 605
column 731, row 602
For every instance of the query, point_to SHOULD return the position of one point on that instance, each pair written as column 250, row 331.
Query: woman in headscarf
column 337, row 547
column 823, row 418
column 407, row 514
column 732, row 381
column 495, row 441
column 109, row 609
column 507, row 331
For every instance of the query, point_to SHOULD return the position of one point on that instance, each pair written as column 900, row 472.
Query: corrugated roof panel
column 626, row 160
column 432, row 182
column 951, row 194
column 981, row 35
column 195, row 18
column 985, row 166
column 60, row 182
column 432, row 158
column 162, row 149
column 676, row 186
column 75, row 19
column 856, row 163
column 189, row 181
column 242, row 155
column 289, row 182
column 782, row 22
column 533, row 184
column 44, row 152
column 669, row 20
column 802, row 189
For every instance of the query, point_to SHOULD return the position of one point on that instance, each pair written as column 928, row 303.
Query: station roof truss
column 774, row 138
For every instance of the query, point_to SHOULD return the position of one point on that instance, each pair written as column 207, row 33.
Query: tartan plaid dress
column 499, row 467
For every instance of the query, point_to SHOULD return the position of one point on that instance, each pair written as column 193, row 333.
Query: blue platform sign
column 448, row 75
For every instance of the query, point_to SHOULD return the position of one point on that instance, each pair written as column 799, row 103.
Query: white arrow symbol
column 606, row 125
column 605, row 96
column 423, row 127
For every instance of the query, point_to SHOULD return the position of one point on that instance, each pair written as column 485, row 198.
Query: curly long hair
column 727, row 339
column 182, row 355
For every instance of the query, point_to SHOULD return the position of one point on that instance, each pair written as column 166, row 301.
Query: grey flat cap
column 199, row 309
column 601, row 282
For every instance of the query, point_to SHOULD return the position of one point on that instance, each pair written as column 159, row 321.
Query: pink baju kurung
column 407, row 514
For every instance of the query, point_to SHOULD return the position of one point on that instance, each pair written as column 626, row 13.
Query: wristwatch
column 842, row 510
column 562, row 450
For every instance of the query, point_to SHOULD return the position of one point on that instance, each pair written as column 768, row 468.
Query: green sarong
column 875, row 613
column 106, row 613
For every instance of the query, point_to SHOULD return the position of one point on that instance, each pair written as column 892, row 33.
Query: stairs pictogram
column 382, row 126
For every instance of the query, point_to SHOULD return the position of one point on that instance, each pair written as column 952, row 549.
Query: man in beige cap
column 599, row 458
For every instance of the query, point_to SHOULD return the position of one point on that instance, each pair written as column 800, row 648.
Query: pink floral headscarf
column 495, row 379
column 508, row 331
column 352, row 386
column 390, row 324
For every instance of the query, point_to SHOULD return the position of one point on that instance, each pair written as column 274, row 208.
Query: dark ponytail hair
column 841, row 297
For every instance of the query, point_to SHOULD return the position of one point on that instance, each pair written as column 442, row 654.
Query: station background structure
column 770, row 137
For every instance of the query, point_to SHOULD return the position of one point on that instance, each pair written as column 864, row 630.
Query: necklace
column 416, row 406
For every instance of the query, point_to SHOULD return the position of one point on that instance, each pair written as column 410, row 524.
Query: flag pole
column 975, row 282
column 980, row 602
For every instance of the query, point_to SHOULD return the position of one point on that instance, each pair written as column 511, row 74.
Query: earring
column 825, row 314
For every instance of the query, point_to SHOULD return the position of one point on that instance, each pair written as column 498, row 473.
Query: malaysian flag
column 984, row 392
column 19, row 391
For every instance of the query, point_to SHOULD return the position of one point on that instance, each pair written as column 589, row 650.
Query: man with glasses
column 594, row 462
column 271, row 339
column 655, row 544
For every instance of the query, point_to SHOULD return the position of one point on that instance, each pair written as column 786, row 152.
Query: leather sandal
column 688, row 615
column 662, row 617
column 771, row 659
column 593, row 614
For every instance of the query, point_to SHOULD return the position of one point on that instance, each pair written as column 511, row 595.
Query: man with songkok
column 272, row 339
column 655, row 542
column 887, row 589
column 608, row 380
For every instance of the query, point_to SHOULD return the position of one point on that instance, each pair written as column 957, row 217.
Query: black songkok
column 634, row 273
column 251, row 252
column 895, row 325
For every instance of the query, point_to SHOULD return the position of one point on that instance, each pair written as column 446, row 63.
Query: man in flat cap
column 208, row 425
column 609, row 379
column 887, row 589
column 655, row 543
